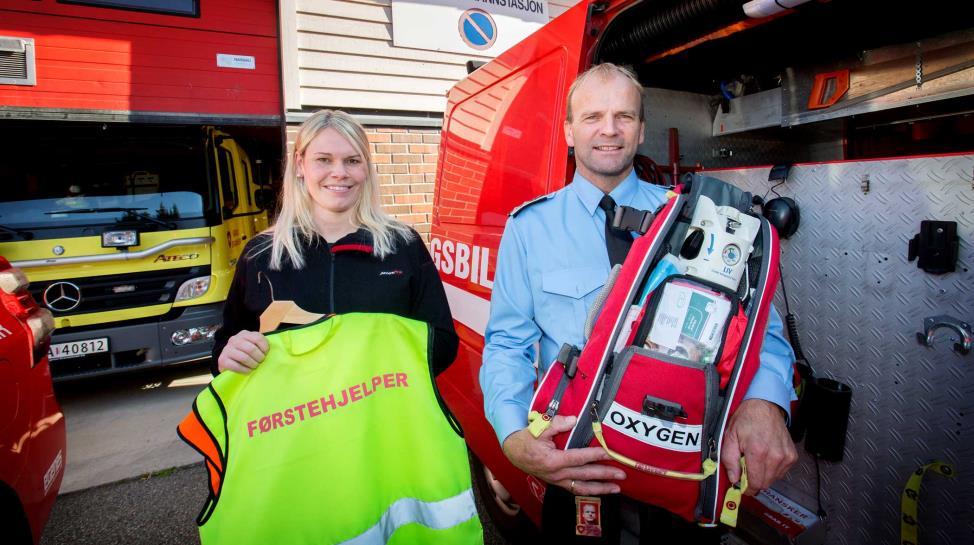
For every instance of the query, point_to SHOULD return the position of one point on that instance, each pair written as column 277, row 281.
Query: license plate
column 77, row 349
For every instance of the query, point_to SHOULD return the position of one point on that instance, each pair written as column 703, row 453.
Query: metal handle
column 963, row 330
column 122, row 256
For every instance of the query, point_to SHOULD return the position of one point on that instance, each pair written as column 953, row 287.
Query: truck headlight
column 193, row 288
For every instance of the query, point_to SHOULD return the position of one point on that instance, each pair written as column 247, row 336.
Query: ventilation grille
column 16, row 61
column 116, row 292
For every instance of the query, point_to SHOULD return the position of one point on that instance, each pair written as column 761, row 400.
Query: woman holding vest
column 332, row 250
column 297, row 437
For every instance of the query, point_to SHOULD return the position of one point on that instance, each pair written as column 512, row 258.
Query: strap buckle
column 627, row 218
column 568, row 357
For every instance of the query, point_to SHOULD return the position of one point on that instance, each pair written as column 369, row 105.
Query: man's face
column 605, row 129
column 588, row 513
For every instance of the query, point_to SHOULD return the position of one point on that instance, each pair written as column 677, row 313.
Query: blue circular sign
column 477, row 29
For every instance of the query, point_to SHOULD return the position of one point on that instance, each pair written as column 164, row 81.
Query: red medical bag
column 662, row 413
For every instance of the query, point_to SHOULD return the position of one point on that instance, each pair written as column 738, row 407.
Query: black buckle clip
column 662, row 409
column 568, row 357
column 628, row 218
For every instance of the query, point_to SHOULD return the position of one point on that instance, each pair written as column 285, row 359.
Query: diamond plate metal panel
column 859, row 304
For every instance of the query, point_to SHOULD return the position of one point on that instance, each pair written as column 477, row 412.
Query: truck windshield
column 158, row 211
column 79, row 179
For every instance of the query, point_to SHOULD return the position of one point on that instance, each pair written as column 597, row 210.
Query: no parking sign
column 477, row 29
column 482, row 27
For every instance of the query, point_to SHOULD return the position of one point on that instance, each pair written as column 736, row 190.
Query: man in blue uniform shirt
column 551, row 264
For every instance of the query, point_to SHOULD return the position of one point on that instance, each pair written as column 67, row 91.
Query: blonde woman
column 332, row 250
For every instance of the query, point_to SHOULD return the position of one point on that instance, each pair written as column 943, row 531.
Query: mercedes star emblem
column 58, row 250
column 62, row 296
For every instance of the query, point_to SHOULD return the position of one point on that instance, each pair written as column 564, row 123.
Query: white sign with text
column 481, row 27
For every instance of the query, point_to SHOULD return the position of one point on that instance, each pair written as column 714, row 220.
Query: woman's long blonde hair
column 295, row 217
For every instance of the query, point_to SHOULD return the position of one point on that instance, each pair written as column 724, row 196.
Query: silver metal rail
column 121, row 256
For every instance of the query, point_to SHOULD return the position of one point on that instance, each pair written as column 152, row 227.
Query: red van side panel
column 502, row 144
column 94, row 58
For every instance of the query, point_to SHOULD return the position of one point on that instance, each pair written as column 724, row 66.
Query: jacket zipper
column 331, row 284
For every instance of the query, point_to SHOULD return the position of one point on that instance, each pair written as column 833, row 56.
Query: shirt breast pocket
column 563, row 306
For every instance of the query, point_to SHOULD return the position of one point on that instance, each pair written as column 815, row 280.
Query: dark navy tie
column 617, row 241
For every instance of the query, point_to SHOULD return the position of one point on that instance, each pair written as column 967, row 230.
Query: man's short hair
column 604, row 71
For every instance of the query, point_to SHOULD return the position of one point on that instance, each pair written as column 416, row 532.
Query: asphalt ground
column 156, row 509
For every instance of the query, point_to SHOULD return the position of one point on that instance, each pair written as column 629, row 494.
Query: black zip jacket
column 340, row 278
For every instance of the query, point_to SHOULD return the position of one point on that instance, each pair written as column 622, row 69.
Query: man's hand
column 757, row 430
column 541, row 458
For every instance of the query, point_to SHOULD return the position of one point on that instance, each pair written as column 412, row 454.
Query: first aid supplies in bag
column 337, row 437
column 671, row 353
column 688, row 322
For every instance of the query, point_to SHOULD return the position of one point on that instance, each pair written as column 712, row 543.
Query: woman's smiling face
column 333, row 172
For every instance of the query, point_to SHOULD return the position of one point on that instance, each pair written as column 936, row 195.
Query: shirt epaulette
column 517, row 210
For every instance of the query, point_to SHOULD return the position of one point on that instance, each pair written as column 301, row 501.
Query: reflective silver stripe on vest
column 438, row 515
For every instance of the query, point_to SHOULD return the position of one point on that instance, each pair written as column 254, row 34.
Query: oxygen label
column 653, row 431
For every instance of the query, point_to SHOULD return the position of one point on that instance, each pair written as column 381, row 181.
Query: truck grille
column 112, row 292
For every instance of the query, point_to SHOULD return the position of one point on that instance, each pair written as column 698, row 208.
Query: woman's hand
column 243, row 352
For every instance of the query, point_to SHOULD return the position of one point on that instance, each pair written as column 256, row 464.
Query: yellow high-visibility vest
column 336, row 438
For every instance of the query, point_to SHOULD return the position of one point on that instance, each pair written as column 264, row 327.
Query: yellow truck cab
column 129, row 234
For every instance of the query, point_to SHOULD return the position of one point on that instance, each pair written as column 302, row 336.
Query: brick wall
column 406, row 161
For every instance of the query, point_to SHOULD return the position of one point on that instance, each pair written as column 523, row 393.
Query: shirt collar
column 358, row 241
column 589, row 195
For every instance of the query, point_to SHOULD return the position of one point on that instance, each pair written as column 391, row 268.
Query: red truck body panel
column 94, row 58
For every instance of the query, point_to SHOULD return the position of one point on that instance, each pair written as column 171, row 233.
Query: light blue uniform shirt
column 551, row 265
